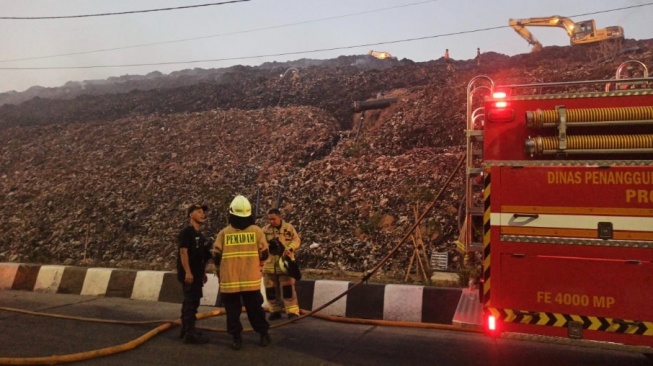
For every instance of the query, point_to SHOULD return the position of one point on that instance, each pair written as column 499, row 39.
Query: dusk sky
column 51, row 52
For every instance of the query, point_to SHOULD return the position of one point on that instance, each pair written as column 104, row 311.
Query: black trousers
column 192, row 296
column 253, row 301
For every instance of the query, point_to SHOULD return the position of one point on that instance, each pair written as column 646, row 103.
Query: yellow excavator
column 582, row 32
column 381, row 55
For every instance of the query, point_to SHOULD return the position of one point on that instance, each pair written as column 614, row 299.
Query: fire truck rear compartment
column 566, row 216
column 589, row 298
column 572, row 250
column 596, row 286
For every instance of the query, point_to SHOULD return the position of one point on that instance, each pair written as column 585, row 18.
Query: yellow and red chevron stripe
column 604, row 324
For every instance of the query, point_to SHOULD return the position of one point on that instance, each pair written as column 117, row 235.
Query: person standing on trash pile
column 238, row 252
column 279, row 286
column 194, row 252
column 447, row 59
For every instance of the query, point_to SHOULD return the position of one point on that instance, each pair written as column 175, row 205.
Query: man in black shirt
column 194, row 253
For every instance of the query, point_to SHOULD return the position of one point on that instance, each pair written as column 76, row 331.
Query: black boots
column 274, row 316
column 265, row 340
column 195, row 337
column 237, row 342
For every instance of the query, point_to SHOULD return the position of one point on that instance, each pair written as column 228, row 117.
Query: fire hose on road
column 168, row 324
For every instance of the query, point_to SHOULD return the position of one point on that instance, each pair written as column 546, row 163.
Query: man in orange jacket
column 279, row 285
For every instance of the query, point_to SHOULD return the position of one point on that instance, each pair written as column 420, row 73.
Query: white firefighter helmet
column 240, row 207
column 283, row 264
column 289, row 267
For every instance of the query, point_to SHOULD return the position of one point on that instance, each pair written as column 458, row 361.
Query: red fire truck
column 559, row 208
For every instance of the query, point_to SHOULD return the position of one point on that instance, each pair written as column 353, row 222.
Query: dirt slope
column 104, row 179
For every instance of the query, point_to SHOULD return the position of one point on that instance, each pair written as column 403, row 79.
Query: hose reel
column 591, row 144
column 591, row 116
column 562, row 118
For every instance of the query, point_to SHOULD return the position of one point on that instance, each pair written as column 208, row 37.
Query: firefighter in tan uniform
column 279, row 286
column 239, row 250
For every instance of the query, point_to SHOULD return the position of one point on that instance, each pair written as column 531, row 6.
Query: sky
column 51, row 52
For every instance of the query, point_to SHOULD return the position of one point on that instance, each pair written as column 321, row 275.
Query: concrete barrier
column 421, row 304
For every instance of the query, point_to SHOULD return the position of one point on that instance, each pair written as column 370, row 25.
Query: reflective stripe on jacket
column 240, row 251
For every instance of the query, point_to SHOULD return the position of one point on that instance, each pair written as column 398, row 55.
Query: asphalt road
column 310, row 341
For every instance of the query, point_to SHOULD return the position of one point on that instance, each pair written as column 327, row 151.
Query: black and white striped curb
column 409, row 303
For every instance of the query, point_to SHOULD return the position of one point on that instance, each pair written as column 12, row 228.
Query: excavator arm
column 526, row 34
column 519, row 25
